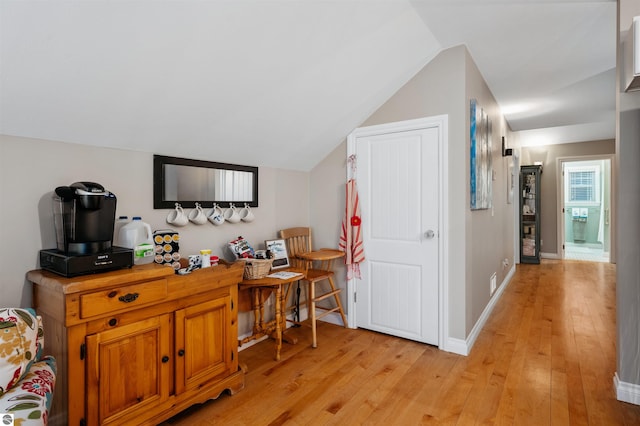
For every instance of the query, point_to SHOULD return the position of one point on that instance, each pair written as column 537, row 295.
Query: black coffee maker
column 84, row 217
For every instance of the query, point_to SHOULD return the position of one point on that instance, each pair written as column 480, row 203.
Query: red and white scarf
column 351, row 232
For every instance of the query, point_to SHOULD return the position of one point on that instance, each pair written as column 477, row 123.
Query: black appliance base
column 67, row 265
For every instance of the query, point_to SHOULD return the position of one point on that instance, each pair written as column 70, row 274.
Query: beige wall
column 31, row 169
column 327, row 207
column 490, row 233
column 549, row 154
column 628, row 226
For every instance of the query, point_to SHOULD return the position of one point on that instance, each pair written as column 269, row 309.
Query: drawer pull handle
column 165, row 359
column 129, row 297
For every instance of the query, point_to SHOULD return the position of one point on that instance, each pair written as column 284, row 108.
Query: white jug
column 120, row 222
column 137, row 235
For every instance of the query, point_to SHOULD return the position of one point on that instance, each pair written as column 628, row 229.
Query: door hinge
column 83, row 351
column 232, row 356
column 355, row 297
column 232, row 304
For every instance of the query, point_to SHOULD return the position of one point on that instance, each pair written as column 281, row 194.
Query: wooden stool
column 318, row 267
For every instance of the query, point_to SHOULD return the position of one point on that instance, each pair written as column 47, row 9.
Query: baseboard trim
column 303, row 316
column 251, row 343
column 332, row 318
column 550, row 256
column 456, row 346
column 463, row 347
column 626, row 392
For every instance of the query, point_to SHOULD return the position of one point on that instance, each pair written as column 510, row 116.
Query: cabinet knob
column 113, row 322
column 181, row 352
column 165, row 359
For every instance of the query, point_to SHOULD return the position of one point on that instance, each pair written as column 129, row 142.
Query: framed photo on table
column 278, row 249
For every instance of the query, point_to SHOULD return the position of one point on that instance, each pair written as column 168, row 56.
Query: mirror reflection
column 184, row 183
column 189, row 181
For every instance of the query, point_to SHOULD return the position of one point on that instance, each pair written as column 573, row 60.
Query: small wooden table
column 274, row 328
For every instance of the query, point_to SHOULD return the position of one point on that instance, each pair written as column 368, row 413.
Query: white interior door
column 398, row 184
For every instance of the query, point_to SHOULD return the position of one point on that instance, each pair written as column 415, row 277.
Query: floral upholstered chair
column 27, row 378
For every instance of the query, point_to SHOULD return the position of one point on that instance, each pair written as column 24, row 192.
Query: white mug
column 231, row 215
column 177, row 217
column 246, row 215
column 215, row 215
column 197, row 216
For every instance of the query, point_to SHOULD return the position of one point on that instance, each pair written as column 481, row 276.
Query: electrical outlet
column 493, row 283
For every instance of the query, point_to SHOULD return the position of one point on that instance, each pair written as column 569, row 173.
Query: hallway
column 546, row 356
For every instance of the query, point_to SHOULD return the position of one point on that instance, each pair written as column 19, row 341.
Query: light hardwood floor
column 546, row 356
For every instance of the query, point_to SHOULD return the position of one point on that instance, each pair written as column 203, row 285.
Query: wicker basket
column 256, row 268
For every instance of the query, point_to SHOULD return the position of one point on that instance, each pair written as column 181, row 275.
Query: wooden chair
column 317, row 267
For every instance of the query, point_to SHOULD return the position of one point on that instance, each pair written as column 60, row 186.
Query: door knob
column 429, row 234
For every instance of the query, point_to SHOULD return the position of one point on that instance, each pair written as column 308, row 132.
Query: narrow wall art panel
column 481, row 161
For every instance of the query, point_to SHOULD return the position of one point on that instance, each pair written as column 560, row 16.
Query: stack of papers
column 284, row 275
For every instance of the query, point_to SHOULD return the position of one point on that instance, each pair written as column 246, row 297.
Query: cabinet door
column 128, row 371
column 205, row 344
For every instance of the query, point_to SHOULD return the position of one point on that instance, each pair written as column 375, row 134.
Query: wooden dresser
column 139, row 345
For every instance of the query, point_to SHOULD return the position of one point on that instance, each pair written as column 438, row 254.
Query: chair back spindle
column 298, row 241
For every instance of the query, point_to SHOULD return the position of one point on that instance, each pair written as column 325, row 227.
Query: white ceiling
column 281, row 83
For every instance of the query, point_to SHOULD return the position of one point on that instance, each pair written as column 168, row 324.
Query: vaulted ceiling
column 280, row 83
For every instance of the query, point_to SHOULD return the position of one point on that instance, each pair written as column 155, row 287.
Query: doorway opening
column 586, row 209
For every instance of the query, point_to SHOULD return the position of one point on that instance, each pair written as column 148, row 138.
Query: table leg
column 278, row 333
column 256, row 310
column 258, row 316
column 261, row 302
column 283, row 304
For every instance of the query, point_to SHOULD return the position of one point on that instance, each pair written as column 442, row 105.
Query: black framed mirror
column 187, row 181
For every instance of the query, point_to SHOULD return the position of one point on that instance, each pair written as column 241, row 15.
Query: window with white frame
column 582, row 185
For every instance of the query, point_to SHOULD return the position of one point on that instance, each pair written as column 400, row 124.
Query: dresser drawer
column 117, row 299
